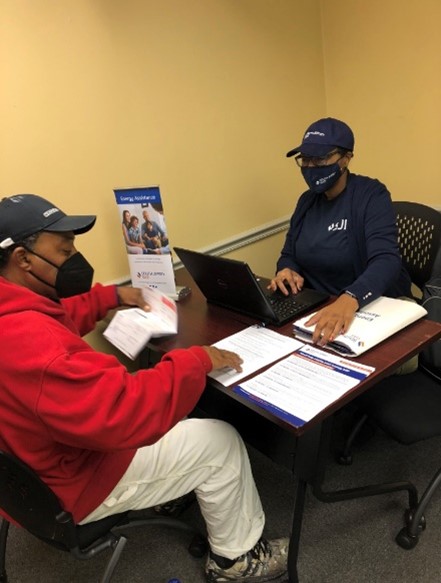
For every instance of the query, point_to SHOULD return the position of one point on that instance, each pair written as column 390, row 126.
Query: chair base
column 116, row 542
column 198, row 547
column 3, row 540
column 415, row 521
column 405, row 541
column 344, row 457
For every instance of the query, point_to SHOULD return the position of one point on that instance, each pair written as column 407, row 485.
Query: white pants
column 209, row 457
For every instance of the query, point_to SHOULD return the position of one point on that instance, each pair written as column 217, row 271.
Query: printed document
column 258, row 347
column 131, row 329
column 298, row 387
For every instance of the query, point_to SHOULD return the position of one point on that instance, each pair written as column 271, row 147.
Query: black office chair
column 409, row 410
column 419, row 240
column 29, row 502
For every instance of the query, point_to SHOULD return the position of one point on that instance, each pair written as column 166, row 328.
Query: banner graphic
column 145, row 237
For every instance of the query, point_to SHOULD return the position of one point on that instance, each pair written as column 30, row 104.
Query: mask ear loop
column 41, row 280
column 40, row 257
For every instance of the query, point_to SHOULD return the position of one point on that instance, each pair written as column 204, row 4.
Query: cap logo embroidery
column 313, row 134
column 50, row 212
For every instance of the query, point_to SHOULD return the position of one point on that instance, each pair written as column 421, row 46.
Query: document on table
column 258, row 347
column 298, row 387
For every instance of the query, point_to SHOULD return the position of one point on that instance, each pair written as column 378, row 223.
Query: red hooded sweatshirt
column 74, row 415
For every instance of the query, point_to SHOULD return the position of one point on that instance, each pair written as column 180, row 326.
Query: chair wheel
column 344, row 459
column 408, row 516
column 405, row 541
column 198, row 546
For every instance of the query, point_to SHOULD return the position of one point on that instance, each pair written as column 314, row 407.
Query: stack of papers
column 303, row 381
column 131, row 329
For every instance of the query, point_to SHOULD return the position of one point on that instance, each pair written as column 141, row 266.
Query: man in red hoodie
column 103, row 439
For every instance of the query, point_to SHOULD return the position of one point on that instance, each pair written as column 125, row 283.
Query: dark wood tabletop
column 204, row 324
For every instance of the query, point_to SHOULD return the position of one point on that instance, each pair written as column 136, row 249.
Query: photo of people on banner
column 145, row 237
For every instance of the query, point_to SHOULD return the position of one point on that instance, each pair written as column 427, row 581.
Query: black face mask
column 74, row 275
column 321, row 178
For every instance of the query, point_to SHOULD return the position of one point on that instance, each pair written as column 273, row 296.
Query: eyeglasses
column 303, row 161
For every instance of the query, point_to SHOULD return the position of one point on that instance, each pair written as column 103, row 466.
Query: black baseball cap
column 324, row 135
column 23, row 215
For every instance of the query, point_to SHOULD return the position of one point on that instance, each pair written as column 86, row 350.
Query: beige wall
column 383, row 76
column 202, row 97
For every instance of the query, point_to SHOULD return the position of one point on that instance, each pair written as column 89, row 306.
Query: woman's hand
column 287, row 281
column 333, row 319
column 132, row 296
column 222, row 358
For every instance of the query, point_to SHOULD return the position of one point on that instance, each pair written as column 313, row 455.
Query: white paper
column 305, row 383
column 131, row 329
column 371, row 325
column 258, row 347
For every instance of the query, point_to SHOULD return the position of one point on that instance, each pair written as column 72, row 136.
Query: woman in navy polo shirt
column 343, row 236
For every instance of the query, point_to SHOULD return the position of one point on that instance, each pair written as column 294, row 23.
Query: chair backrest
column 419, row 238
column 29, row 502
column 430, row 357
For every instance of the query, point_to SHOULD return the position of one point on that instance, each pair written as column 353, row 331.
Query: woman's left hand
column 333, row 319
column 132, row 296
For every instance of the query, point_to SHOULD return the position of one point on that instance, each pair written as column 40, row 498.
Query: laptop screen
column 232, row 284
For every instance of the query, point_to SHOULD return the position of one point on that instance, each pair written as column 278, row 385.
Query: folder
column 371, row 325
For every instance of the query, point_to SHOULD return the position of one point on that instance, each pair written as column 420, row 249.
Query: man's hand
column 287, row 281
column 132, row 296
column 333, row 320
column 222, row 358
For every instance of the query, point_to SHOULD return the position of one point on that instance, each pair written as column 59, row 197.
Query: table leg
column 293, row 551
column 304, row 471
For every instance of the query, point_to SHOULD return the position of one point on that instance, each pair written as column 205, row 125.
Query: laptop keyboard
column 287, row 307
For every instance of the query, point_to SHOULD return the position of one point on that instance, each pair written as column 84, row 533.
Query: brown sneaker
column 266, row 561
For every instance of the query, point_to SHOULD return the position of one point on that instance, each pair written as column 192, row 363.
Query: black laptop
column 231, row 284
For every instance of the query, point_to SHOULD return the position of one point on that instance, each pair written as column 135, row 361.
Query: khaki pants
column 204, row 455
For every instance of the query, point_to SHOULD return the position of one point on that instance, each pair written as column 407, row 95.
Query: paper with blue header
column 298, row 387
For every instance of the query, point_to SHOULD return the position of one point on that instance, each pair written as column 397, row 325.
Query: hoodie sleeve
column 87, row 309
column 89, row 400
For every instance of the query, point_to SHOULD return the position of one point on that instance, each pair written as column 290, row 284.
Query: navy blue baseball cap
column 324, row 135
column 23, row 215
